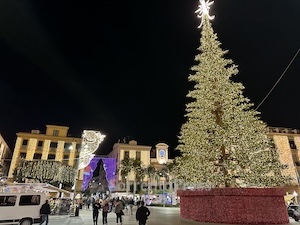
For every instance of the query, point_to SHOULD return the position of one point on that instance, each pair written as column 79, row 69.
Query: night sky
column 121, row 67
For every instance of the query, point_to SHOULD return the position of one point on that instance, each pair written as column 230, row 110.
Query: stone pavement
column 159, row 216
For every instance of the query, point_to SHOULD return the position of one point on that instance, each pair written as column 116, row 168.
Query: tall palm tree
column 150, row 171
column 125, row 168
column 137, row 168
column 140, row 173
column 164, row 172
column 172, row 173
column 171, row 166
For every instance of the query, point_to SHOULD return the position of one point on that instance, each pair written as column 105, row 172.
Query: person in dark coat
column 96, row 207
column 105, row 210
column 44, row 212
column 142, row 213
column 119, row 211
column 131, row 204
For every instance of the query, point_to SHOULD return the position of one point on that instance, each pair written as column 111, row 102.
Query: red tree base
column 234, row 205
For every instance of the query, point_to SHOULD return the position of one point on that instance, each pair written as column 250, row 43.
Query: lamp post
column 89, row 144
column 164, row 191
column 162, row 174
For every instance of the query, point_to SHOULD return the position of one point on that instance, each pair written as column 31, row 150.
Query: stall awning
column 288, row 198
column 34, row 187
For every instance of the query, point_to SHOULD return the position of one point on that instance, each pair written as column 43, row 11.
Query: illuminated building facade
column 55, row 144
column 157, row 157
column 5, row 157
column 287, row 143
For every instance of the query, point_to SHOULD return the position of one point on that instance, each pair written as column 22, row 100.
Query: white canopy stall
column 38, row 187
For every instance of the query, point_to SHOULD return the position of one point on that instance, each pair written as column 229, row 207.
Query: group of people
column 105, row 209
column 142, row 212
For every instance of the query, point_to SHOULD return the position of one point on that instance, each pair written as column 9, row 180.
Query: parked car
column 296, row 215
column 291, row 209
column 21, row 208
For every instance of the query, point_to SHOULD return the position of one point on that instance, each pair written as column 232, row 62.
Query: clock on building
column 161, row 153
column 162, row 156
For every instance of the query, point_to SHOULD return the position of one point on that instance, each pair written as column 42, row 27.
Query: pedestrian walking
column 142, row 213
column 96, row 207
column 88, row 202
column 130, row 203
column 44, row 212
column 119, row 211
column 105, row 210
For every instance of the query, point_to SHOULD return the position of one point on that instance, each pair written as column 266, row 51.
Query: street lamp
column 164, row 189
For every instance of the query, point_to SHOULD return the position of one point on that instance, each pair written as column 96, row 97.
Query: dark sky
column 121, row 67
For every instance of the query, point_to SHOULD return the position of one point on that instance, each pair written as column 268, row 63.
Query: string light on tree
column 223, row 142
column 203, row 10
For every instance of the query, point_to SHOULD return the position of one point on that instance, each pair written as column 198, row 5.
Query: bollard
column 77, row 211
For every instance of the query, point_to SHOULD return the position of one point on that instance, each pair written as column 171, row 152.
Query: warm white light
column 203, row 10
column 90, row 142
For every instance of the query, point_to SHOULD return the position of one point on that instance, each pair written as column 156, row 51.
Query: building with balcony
column 286, row 141
column 5, row 157
column 55, row 144
column 157, row 157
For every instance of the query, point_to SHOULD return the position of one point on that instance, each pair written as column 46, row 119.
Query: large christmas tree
column 223, row 142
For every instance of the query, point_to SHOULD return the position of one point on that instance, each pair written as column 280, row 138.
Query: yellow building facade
column 55, row 144
column 157, row 157
column 5, row 157
column 287, row 143
column 130, row 150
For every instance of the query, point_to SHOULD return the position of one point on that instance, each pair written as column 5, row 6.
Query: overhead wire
column 288, row 66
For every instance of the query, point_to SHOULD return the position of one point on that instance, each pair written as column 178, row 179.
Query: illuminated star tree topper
column 203, row 10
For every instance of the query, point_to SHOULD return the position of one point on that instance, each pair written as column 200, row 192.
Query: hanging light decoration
column 90, row 142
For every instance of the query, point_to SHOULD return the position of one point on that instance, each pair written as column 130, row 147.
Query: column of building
column 46, row 149
column 15, row 158
column 31, row 147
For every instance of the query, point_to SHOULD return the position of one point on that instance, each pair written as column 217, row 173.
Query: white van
column 21, row 208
